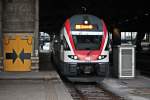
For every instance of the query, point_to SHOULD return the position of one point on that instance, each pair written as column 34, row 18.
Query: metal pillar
column 35, row 58
column 139, row 37
column 36, row 28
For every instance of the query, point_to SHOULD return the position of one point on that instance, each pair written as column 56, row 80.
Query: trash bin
column 124, row 61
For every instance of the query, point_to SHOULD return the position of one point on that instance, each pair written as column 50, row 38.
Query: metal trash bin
column 124, row 61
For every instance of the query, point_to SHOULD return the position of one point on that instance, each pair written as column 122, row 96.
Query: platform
column 131, row 89
column 32, row 86
column 49, row 75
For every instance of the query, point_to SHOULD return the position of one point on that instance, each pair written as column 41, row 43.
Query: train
column 81, row 50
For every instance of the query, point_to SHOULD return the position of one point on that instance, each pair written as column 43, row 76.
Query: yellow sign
column 17, row 52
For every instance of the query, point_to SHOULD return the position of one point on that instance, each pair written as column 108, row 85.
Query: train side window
column 108, row 44
column 66, row 46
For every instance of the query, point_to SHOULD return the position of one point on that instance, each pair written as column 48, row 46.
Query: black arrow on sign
column 24, row 56
column 12, row 56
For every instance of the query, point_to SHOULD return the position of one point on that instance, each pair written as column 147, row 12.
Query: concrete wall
column 18, row 16
column 0, row 28
column 21, row 16
column 0, row 16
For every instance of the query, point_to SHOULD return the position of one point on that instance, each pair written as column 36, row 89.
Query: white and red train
column 83, row 47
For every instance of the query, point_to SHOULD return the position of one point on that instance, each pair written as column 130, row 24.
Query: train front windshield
column 87, row 42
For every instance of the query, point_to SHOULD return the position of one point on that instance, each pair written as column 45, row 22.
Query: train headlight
column 101, row 57
column 73, row 57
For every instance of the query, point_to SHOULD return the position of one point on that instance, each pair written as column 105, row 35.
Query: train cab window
column 87, row 42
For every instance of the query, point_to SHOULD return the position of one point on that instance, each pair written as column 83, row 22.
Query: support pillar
column 21, row 17
column 1, row 53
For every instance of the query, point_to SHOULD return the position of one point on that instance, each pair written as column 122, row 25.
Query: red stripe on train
column 67, row 26
column 86, row 54
column 104, row 37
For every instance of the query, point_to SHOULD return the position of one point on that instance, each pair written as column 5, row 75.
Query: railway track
column 142, row 63
column 90, row 92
